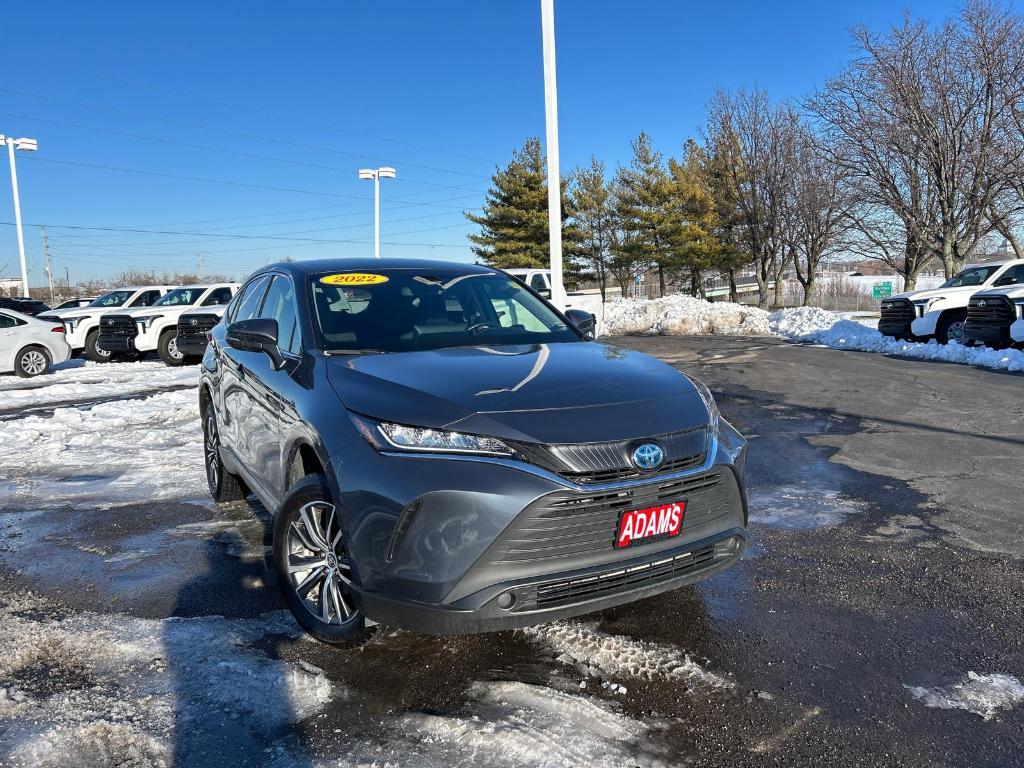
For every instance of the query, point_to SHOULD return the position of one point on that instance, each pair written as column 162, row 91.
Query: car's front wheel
column 313, row 565
column 952, row 327
column 167, row 348
column 93, row 350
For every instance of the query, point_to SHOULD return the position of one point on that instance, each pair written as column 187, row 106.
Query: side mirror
column 545, row 293
column 585, row 322
column 256, row 335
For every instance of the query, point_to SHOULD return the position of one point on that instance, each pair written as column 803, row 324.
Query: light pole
column 25, row 145
column 376, row 174
column 547, row 18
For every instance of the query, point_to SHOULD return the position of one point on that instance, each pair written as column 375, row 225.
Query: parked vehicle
column 444, row 451
column 995, row 317
column 30, row 307
column 540, row 281
column 82, row 324
column 194, row 325
column 28, row 345
column 941, row 313
column 78, row 301
column 140, row 330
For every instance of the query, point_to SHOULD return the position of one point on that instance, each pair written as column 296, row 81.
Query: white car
column 83, row 324
column 540, row 281
column 995, row 317
column 941, row 313
column 28, row 345
column 155, row 328
column 75, row 303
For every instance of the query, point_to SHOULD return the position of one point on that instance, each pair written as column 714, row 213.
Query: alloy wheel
column 172, row 349
column 318, row 566
column 956, row 332
column 212, row 446
column 33, row 362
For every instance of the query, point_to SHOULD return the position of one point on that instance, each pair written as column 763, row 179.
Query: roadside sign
column 881, row 290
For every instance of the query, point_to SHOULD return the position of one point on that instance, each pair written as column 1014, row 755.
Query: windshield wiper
column 355, row 352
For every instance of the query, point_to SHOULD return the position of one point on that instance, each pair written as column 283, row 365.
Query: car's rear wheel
column 952, row 327
column 31, row 361
column 313, row 565
column 92, row 349
column 224, row 486
column 168, row 350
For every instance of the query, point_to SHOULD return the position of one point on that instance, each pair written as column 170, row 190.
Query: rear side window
column 280, row 305
column 6, row 321
column 249, row 301
column 538, row 283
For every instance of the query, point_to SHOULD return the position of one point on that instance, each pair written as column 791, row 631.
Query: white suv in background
column 941, row 313
column 995, row 316
column 155, row 327
column 82, row 324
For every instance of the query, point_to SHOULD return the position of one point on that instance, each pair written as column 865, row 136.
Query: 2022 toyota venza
column 443, row 451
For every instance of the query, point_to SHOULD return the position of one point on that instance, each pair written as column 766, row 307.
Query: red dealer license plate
column 640, row 526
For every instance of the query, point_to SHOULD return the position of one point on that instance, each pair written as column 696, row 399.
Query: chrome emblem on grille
column 193, row 321
column 982, row 303
column 648, row 456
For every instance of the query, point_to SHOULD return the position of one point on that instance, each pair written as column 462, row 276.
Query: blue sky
column 277, row 105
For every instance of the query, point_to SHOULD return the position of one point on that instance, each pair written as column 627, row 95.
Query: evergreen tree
column 593, row 220
column 514, row 221
column 692, row 220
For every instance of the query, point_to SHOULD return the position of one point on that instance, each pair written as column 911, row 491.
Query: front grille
column 896, row 312
column 117, row 325
column 612, row 461
column 995, row 311
column 193, row 328
column 570, row 591
column 569, row 524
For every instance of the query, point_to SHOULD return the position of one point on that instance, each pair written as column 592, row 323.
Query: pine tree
column 593, row 220
column 693, row 244
column 514, row 221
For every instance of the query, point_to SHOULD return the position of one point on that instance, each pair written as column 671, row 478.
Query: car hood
column 548, row 393
column 931, row 293
column 147, row 311
column 70, row 312
column 1010, row 292
column 209, row 309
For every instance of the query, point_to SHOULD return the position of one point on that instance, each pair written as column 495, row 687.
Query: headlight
column 925, row 305
column 709, row 400
column 1019, row 304
column 146, row 321
column 72, row 322
column 385, row 436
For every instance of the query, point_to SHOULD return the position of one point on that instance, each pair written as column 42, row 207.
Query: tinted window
column 249, row 303
column 217, row 296
column 970, row 276
column 6, row 321
column 146, row 299
column 280, row 305
column 537, row 282
column 1012, row 276
column 410, row 311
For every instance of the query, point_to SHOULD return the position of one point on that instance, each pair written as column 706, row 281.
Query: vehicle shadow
column 233, row 692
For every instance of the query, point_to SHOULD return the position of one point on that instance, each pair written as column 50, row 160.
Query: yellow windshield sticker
column 353, row 278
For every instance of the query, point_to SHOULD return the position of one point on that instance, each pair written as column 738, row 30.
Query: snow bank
column 597, row 654
column 984, row 695
column 150, row 448
column 680, row 315
column 79, row 380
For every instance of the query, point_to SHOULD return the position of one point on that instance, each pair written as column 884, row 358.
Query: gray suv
column 445, row 452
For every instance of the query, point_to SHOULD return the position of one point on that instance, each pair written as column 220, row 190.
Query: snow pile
column 984, row 695
column 150, row 448
column 113, row 690
column 680, row 315
column 78, row 380
column 597, row 654
column 801, row 321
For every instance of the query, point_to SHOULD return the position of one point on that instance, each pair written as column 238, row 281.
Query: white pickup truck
column 540, row 281
column 81, row 324
column 995, row 317
column 941, row 313
column 145, row 329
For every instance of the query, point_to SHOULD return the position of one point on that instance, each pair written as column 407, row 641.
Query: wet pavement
column 884, row 569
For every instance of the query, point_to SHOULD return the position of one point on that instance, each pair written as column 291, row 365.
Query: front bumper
column 1017, row 331
column 505, row 544
column 994, row 336
column 926, row 324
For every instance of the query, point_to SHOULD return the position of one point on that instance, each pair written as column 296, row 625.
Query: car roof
column 1004, row 263
column 303, row 269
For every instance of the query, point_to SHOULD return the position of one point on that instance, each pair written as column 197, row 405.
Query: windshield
column 970, row 276
column 112, row 299
column 400, row 310
column 179, row 297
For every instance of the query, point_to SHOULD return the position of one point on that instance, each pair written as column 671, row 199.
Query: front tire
column 92, row 350
column 952, row 327
column 313, row 566
column 167, row 348
column 31, row 361
column 224, row 486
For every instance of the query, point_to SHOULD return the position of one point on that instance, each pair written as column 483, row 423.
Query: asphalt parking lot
column 885, row 569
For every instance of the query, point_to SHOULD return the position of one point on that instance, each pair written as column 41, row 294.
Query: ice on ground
column 681, row 315
column 599, row 654
column 115, row 452
column 80, row 380
column 114, row 690
column 799, row 507
column 984, row 695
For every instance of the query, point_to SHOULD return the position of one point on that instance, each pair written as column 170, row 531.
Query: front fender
column 926, row 325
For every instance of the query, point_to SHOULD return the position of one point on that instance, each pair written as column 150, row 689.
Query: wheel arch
column 303, row 460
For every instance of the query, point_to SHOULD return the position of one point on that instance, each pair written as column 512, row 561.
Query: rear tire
column 92, row 351
column 32, row 361
column 313, row 566
column 224, row 486
column 167, row 348
column 952, row 328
